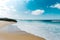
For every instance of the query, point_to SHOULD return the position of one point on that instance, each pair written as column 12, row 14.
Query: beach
column 19, row 36
column 47, row 30
column 12, row 32
column 33, row 30
column 5, row 23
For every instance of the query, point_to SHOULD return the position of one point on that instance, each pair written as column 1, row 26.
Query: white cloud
column 7, row 11
column 37, row 12
column 57, row 5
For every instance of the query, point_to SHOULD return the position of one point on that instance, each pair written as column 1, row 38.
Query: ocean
column 46, row 29
column 43, row 28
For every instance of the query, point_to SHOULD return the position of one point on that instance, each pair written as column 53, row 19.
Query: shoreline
column 19, row 36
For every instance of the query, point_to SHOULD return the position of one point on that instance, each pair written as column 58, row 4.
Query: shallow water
column 47, row 30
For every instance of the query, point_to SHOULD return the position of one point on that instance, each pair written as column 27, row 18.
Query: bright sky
column 30, row 9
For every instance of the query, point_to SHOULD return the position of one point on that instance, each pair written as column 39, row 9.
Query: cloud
column 7, row 11
column 37, row 12
column 57, row 5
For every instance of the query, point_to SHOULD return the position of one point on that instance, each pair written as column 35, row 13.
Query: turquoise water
column 47, row 30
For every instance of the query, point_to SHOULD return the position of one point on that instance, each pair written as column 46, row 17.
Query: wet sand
column 19, row 36
column 5, row 23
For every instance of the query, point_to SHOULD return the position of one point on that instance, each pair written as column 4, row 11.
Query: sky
column 30, row 9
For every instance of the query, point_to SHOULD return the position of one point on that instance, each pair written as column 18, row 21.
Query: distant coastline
column 8, row 19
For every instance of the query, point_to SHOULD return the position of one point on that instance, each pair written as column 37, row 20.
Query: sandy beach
column 19, row 36
column 5, row 23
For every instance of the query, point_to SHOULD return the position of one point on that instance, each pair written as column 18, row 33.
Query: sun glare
column 3, row 2
column 5, row 10
column 3, row 7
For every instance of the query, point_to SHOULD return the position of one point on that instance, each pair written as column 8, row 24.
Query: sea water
column 47, row 30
